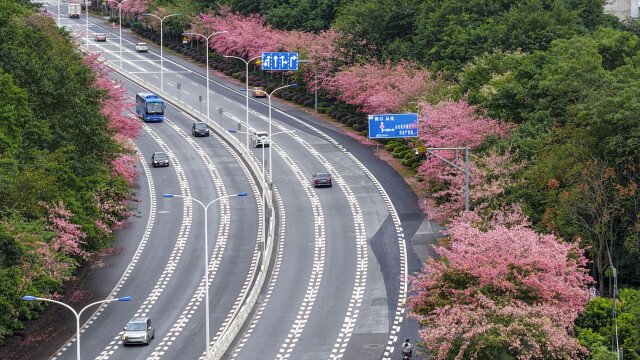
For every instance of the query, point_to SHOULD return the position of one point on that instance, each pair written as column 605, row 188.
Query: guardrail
column 233, row 327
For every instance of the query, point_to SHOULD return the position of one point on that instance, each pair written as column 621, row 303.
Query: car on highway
column 258, row 92
column 260, row 138
column 199, row 129
column 101, row 37
column 138, row 331
column 321, row 179
column 159, row 158
column 142, row 47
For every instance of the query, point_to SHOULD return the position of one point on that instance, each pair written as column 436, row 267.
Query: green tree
column 376, row 27
column 450, row 34
column 305, row 15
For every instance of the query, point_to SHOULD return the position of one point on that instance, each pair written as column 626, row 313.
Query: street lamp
column 269, row 96
column 77, row 314
column 263, row 198
column 119, row 25
column 161, row 57
column 206, row 256
column 246, row 62
column 207, row 38
column 86, row 8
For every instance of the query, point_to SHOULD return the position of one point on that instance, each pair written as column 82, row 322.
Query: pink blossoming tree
column 115, row 107
column 68, row 237
column 503, row 291
column 377, row 88
column 132, row 7
column 458, row 124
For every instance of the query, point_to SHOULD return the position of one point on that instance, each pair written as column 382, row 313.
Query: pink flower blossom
column 507, row 286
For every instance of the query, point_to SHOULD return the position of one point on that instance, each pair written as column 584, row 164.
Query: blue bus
column 150, row 107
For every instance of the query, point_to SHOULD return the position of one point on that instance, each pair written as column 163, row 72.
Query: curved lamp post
column 269, row 96
column 161, row 56
column 86, row 8
column 120, row 24
column 207, row 38
column 206, row 256
column 77, row 314
column 246, row 78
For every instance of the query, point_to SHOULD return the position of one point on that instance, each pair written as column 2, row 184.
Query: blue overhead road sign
column 279, row 61
column 393, row 126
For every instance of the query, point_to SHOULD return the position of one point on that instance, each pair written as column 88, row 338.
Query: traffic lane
column 139, row 278
column 389, row 270
column 178, row 255
column 297, row 251
column 346, row 263
column 238, row 244
column 380, row 294
column 110, row 267
column 405, row 203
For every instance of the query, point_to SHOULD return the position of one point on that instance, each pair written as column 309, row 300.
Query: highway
column 335, row 283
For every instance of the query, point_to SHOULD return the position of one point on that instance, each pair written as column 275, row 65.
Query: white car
column 260, row 138
column 142, row 47
column 138, row 331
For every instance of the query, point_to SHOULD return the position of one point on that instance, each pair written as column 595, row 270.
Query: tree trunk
column 600, row 267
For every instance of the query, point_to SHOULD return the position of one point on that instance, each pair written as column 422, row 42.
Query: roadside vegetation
column 66, row 161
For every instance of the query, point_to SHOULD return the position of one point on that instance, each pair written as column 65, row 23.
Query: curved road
column 335, row 287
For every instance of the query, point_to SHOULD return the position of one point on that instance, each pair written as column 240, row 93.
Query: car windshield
column 155, row 108
column 322, row 175
column 160, row 156
column 201, row 126
column 136, row 327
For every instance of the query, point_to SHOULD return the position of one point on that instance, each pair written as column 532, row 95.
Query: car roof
column 160, row 153
column 141, row 44
column 322, row 174
column 138, row 319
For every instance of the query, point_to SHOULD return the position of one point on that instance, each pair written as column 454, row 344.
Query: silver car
column 138, row 331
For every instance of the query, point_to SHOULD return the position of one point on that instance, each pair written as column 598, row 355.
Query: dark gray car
column 199, row 129
column 159, row 158
column 321, row 179
column 138, row 331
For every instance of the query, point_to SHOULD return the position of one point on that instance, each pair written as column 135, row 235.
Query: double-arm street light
column 246, row 78
column 120, row 24
column 86, row 8
column 206, row 257
column 77, row 314
column 207, row 38
column 161, row 34
column 269, row 96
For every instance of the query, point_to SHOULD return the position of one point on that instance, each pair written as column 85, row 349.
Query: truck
column 260, row 139
column 75, row 10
